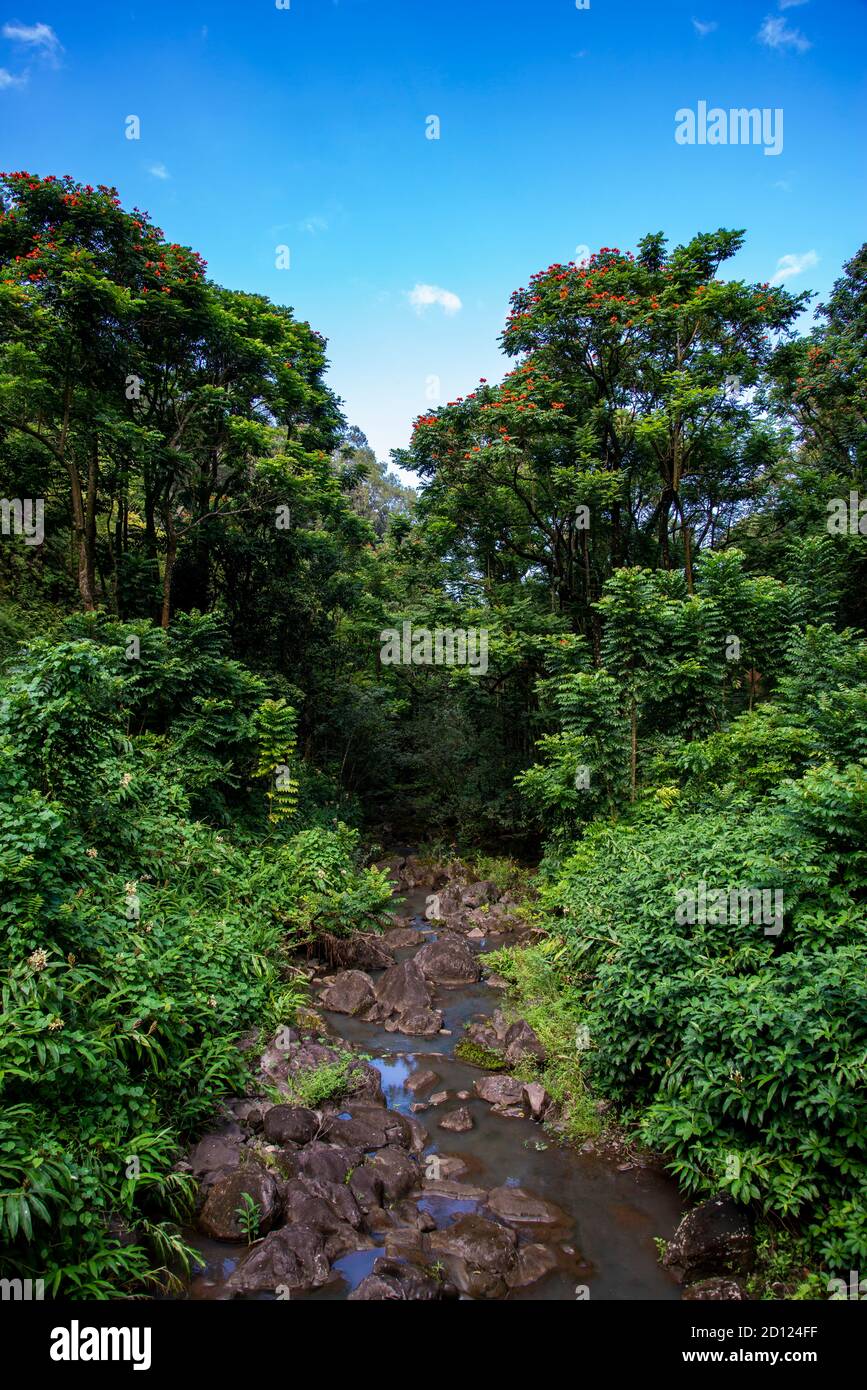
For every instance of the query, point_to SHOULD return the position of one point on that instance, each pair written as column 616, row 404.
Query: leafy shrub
column 137, row 941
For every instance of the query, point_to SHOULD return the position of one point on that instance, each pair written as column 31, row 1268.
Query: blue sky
column 306, row 127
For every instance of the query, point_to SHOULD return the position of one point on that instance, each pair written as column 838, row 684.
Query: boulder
column 537, row 1099
column 326, row 1163
column 534, row 1263
column 403, row 987
column 517, row 1207
column 399, row 938
column 219, row 1215
column 447, row 1166
column 215, row 1153
column 444, row 904
column 351, row 993
column 416, row 1023
column 450, row 1188
column 397, row 1172
column 397, row 1281
column 358, row 951
column 521, row 1045
column 448, row 962
column 330, row 1209
column 458, row 1121
column 368, row 1127
column 421, row 1081
column 714, row 1238
column 479, row 1254
column 366, row 1187
column 250, row 1114
column 291, row 1259
column 295, row 1124
column 500, row 1090
column 339, row 1197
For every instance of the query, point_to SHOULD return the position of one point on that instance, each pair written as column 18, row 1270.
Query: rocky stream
column 429, row 1178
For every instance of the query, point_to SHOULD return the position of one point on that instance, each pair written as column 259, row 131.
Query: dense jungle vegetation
column 656, row 516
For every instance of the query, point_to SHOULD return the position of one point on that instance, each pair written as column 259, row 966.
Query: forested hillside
column 657, row 520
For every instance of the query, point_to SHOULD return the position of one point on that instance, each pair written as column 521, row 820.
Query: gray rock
column 403, row 987
column 219, row 1215
column 534, row 1263
column 714, row 1238
column 458, row 1121
column 448, row 962
column 518, row 1207
column 479, row 1255
column 290, row 1123
column 421, row 1081
column 351, row 993
column 500, row 1090
column 215, row 1153
column 291, row 1259
column 397, row 1172
column 523, row 1045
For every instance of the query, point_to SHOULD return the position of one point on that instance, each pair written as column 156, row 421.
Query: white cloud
column 704, row 27
column 776, row 33
column 790, row 4
column 314, row 225
column 787, row 266
column 159, row 171
column 40, row 37
column 8, row 79
column 422, row 296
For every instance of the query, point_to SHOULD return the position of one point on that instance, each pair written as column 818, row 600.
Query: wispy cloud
column 703, row 27
column 790, row 4
column 159, row 171
column 776, row 33
column 789, row 266
column 8, row 79
column 422, row 296
column 41, row 38
column 314, row 225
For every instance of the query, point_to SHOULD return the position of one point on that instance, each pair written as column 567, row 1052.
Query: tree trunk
column 79, row 527
column 171, row 556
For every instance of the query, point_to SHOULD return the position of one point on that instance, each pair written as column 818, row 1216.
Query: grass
column 537, row 993
column 476, row 1056
column 326, row 1082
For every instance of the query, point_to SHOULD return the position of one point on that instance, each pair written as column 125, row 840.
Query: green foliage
column 477, row 1056
column 249, row 1215
column 275, row 723
column 137, row 942
column 558, row 1018
column 326, row 1082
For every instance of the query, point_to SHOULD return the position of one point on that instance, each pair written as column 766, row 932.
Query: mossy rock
column 476, row 1056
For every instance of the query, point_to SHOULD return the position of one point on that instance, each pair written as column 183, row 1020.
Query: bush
column 137, row 943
